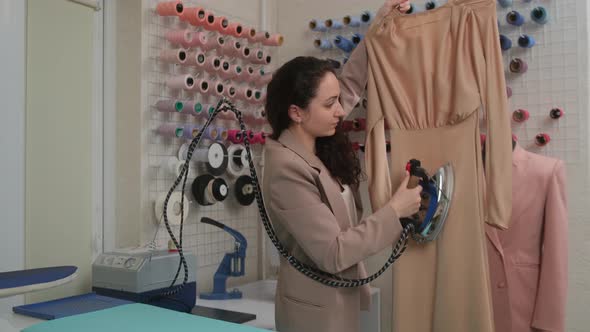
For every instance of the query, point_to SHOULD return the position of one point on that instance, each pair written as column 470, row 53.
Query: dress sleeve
column 353, row 78
column 492, row 86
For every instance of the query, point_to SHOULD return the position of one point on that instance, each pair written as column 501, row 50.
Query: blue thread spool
column 366, row 17
column 526, row 41
column 505, row 43
column 505, row 3
column 357, row 38
column 317, row 26
column 333, row 24
column 351, row 21
column 322, row 44
column 515, row 18
column 430, row 5
column 539, row 15
column 344, row 44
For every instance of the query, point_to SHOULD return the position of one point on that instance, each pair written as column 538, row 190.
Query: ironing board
column 24, row 281
column 137, row 317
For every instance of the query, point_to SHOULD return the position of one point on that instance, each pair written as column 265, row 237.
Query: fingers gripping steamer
column 423, row 227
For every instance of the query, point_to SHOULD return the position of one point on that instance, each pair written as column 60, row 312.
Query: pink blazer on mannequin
column 528, row 262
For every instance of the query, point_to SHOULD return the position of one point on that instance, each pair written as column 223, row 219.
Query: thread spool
column 259, row 138
column 174, row 212
column 259, row 56
column 367, row 17
column 184, row 82
column 539, row 15
column 347, row 125
column 231, row 92
column 222, row 132
column 259, row 96
column 273, row 40
column 235, row 30
column 202, row 86
column 211, row 133
column 259, row 37
column 249, row 34
column 246, row 53
column 190, row 131
column 245, row 93
column 323, row 44
column 351, row 21
column 196, row 16
column 262, row 80
column 344, row 44
column 208, row 190
column 173, row 166
column 238, row 160
column 556, row 113
column 175, row 56
column 188, row 14
column 220, row 24
column 219, row 88
column 170, row 130
column 333, row 24
column 248, row 136
column 542, row 139
column 520, row 115
column 180, row 37
column 508, row 91
column 259, row 116
column 359, row 124
column 244, row 190
column 356, row 38
column 214, row 157
column 196, row 58
column 518, row 66
column 505, row 43
column 526, row 41
column 212, row 64
column 430, row 5
column 235, row 136
column 505, row 3
column 191, row 107
column 170, row 8
column 316, row 25
column 515, row 18
column 169, row 106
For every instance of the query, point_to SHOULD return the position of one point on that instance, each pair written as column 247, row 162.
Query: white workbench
column 258, row 298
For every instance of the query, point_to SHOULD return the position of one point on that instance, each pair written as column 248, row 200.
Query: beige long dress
column 430, row 74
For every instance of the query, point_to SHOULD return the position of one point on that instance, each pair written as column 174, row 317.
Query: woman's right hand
column 406, row 202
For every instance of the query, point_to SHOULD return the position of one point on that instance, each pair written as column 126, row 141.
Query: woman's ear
column 295, row 113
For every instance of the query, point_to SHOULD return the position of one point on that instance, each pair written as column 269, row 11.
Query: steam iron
column 437, row 191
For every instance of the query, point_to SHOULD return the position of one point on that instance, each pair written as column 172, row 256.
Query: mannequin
column 528, row 261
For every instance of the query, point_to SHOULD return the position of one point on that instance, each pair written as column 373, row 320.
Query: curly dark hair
column 296, row 83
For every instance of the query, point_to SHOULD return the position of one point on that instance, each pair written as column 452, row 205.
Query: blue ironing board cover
column 137, row 317
column 69, row 306
column 28, row 277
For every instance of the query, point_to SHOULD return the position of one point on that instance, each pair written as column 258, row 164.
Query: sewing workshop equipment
column 143, row 275
column 232, row 265
column 24, row 281
column 437, row 191
column 424, row 227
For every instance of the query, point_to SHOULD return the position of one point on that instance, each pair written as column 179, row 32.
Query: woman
column 310, row 175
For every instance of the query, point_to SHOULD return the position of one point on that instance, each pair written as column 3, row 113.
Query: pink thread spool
column 192, row 107
column 169, row 106
column 359, row 124
column 259, row 36
column 184, row 82
column 180, row 37
column 260, row 57
column 250, row 74
column 246, row 53
column 175, row 56
column 235, row 136
column 518, row 66
column 273, row 40
column 212, row 64
column 262, row 80
column 170, row 8
column 259, row 116
column 231, row 92
column 221, row 25
column 170, row 130
column 213, row 43
column 249, row 135
column 200, row 18
column 259, row 138
column 187, row 14
column 197, row 59
column 250, row 35
column 245, row 93
column 542, row 139
column 219, row 88
column 259, row 97
column 235, row 29
column 520, row 115
column 556, row 113
column 202, row 86
column 199, row 39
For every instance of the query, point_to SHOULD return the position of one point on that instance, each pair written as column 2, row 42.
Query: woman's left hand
column 389, row 5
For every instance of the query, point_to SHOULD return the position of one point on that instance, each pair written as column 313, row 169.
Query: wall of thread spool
column 546, row 69
column 198, row 52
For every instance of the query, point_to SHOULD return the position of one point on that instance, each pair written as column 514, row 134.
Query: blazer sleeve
column 353, row 78
column 549, row 314
column 295, row 200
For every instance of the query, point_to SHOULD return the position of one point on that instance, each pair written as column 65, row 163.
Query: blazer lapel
column 329, row 186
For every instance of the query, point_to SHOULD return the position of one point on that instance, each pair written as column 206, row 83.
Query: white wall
column 12, row 140
column 60, row 68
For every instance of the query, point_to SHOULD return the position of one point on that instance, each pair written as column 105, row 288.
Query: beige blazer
column 528, row 261
column 310, row 218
